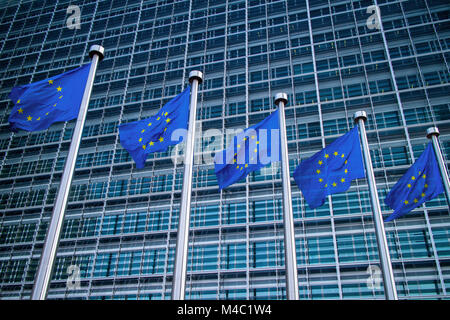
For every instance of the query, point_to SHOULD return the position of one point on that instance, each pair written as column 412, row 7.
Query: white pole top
column 196, row 75
column 281, row 97
column 98, row 50
column 432, row 131
column 360, row 115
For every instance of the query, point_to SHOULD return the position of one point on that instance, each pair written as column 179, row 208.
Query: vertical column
column 289, row 237
column 383, row 249
column 179, row 272
column 44, row 272
column 433, row 133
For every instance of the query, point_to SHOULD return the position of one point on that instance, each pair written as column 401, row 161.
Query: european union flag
column 330, row 170
column 422, row 182
column 154, row 134
column 250, row 150
column 38, row 105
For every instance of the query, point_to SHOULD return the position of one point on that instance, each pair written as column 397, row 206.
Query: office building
column 330, row 57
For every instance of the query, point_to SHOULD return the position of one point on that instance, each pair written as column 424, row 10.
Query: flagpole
column 290, row 255
column 44, row 272
column 433, row 133
column 180, row 264
column 390, row 290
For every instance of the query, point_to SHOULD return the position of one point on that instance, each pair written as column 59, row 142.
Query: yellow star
column 253, row 137
column 424, row 176
column 167, row 120
column 257, row 142
column 320, row 162
column 406, row 201
column 29, row 118
column 20, row 110
column 415, row 200
column 320, row 180
column 423, row 194
column 38, row 118
column 54, row 105
column 239, row 146
column 246, row 165
column 335, row 153
column 149, row 124
column 346, row 161
column 140, row 139
column 318, row 171
column 50, row 81
column 46, row 114
column 334, row 184
column 256, row 150
column 60, row 97
column 143, row 146
column 346, row 171
column 165, row 114
column 242, row 168
column 234, row 161
column 245, row 139
column 151, row 143
column 237, row 167
column 342, row 156
column 413, row 178
column 326, row 156
column 409, row 185
column 143, row 130
column 342, row 180
column 18, row 101
column 165, row 129
column 158, row 118
column 426, row 186
column 326, row 185
column 161, row 139
column 59, row 88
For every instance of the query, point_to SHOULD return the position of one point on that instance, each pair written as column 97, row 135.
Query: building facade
column 332, row 58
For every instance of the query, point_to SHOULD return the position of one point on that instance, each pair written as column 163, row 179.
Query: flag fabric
column 422, row 182
column 154, row 134
column 40, row 104
column 330, row 170
column 254, row 148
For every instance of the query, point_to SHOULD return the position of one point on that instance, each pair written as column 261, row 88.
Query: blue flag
column 154, row 134
column 250, row 150
column 422, row 182
column 330, row 170
column 38, row 105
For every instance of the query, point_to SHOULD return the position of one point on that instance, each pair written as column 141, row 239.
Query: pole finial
column 432, row 131
column 360, row 115
column 196, row 75
column 281, row 97
column 98, row 50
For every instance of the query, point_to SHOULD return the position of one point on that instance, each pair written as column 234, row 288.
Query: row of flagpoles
column 153, row 133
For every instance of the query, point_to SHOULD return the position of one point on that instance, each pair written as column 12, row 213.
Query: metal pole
column 433, row 133
column 44, row 272
column 180, row 264
column 390, row 291
column 289, row 236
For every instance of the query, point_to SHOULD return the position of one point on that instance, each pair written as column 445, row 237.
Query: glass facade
column 121, row 223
